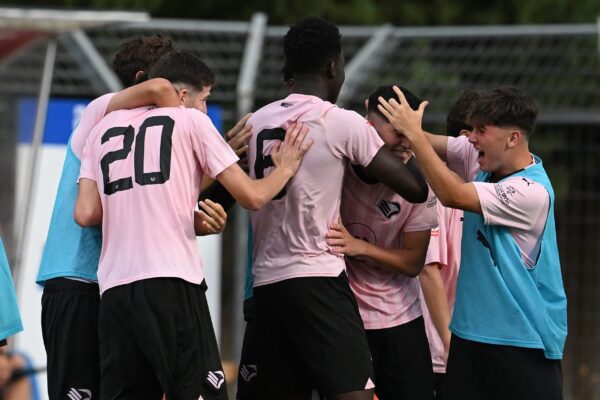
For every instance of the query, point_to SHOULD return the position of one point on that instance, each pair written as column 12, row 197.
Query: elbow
column 418, row 195
column 414, row 271
column 86, row 217
column 252, row 202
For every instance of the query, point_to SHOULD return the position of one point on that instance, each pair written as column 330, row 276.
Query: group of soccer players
column 346, row 216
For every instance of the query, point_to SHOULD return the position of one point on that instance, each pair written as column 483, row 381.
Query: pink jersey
column 374, row 213
column 92, row 114
column 444, row 249
column 512, row 202
column 289, row 232
column 148, row 176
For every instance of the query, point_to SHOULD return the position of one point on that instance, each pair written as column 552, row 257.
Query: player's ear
column 140, row 76
column 331, row 69
column 183, row 94
column 514, row 138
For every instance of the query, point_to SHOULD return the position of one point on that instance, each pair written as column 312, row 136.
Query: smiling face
column 492, row 143
column 392, row 139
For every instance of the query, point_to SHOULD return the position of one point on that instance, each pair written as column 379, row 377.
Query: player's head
column 313, row 50
column 192, row 78
column 136, row 56
column 393, row 139
column 458, row 119
column 502, row 119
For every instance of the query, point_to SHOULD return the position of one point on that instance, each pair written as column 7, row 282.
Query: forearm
column 158, row 91
column 444, row 182
column 408, row 182
column 434, row 292
column 253, row 194
column 439, row 144
column 405, row 261
column 217, row 193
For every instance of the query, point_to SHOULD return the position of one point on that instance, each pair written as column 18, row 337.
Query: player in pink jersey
column 70, row 301
column 155, row 328
column 438, row 278
column 309, row 329
column 385, row 238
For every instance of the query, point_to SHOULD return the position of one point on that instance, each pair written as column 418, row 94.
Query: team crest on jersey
column 388, row 208
column 216, row 378
column 248, row 372
column 79, row 394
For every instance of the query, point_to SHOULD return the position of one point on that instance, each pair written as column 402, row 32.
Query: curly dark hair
column 460, row 111
column 506, row 106
column 183, row 67
column 309, row 45
column 140, row 54
column 387, row 92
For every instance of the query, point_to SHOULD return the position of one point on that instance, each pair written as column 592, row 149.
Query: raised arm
column 451, row 190
column 158, row 91
column 286, row 156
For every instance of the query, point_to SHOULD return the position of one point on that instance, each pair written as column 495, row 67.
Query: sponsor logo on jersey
column 285, row 104
column 216, row 378
column 79, row 394
column 504, row 192
column 248, row 372
column 432, row 202
column 388, row 208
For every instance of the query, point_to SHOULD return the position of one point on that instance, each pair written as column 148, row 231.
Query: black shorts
column 310, row 336
column 70, row 332
column 402, row 362
column 247, row 373
column 481, row 371
column 156, row 337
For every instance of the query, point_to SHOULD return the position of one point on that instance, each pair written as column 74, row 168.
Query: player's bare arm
column 407, row 260
column 88, row 207
column 287, row 156
column 449, row 188
column 405, row 180
column 210, row 219
column 434, row 292
column 237, row 138
column 158, row 91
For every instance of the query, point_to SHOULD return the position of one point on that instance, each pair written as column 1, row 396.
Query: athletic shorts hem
column 507, row 342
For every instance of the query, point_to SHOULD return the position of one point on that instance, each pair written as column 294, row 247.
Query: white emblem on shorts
column 248, row 371
column 370, row 384
column 80, row 394
column 216, row 378
column 200, row 398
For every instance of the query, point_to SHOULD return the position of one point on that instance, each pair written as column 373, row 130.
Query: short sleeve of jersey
column 515, row 202
column 433, row 251
column 87, row 169
column 213, row 153
column 462, row 157
column 92, row 114
column 422, row 217
column 351, row 136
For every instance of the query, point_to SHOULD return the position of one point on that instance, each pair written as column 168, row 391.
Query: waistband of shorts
column 61, row 284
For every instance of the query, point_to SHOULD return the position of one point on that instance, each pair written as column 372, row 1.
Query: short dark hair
column 309, row 45
column 387, row 92
column 460, row 111
column 506, row 106
column 140, row 54
column 183, row 67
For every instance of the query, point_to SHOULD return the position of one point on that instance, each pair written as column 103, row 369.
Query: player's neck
column 310, row 86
